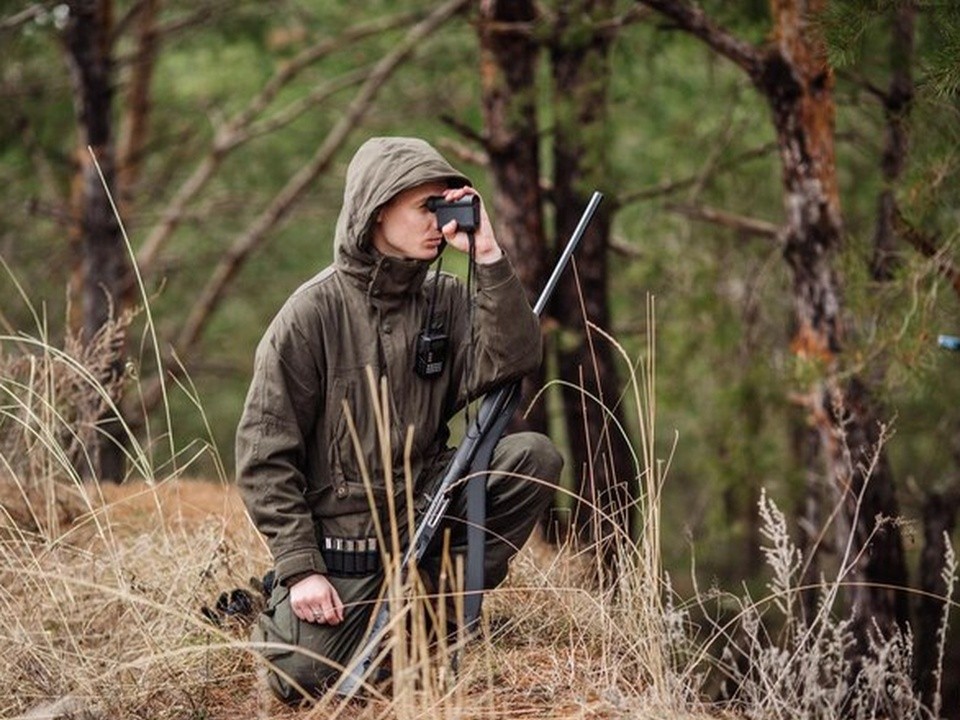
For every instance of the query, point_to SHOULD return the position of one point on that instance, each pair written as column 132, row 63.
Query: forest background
column 780, row 178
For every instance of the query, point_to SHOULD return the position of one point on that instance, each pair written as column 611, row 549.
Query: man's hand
column 315, row 600
column 487, row 250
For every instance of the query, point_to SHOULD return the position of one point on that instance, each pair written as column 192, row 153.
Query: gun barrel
column 568, row 251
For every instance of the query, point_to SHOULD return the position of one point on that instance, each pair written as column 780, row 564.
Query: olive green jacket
column 300, row 467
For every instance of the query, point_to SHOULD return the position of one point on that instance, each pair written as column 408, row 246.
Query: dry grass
column 107, row 615
column 107, row 612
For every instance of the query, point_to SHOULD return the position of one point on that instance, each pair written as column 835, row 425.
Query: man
column 309, row 433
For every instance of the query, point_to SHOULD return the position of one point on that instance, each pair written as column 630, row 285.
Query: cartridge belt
column 351, row 557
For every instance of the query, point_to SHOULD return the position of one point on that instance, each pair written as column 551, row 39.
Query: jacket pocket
column 349, row 514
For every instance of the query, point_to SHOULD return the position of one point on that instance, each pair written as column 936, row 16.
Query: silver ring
column 317, row 616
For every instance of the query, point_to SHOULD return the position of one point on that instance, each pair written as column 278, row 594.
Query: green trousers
column 523, row 475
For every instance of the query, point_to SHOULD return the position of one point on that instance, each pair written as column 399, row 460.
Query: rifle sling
column 477, row 509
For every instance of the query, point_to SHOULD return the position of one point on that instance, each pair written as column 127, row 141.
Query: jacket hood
column 381, row 168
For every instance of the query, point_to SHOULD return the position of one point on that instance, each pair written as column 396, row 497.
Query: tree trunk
column 135, row 127
column 508, row 58
column 103, row 282
column 792, row 74
column 602, row 465
column 798, row 84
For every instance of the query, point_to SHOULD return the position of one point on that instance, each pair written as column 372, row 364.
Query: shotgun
column 471, row 460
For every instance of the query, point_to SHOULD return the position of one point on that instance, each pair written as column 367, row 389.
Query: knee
column 297, row 676
column 552, row 459
column 530, row 464
column 544, row 459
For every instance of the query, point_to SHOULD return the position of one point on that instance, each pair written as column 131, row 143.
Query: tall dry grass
column 100, row 585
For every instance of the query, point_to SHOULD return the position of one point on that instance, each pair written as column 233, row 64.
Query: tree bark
column 102, row 285
column 508, row 60
column 798, row 83
column 602, row 466
column 135, row 127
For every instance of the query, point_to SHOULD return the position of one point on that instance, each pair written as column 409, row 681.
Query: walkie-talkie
column 431, row 352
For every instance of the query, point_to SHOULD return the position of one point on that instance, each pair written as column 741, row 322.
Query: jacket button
column 342, row 491
column 387, row 328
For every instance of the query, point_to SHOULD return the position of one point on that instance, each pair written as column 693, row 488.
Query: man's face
column 406, row 228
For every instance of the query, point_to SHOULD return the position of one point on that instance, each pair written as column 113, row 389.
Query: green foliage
column 847, row 27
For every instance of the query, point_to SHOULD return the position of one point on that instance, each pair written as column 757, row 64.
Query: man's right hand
column 314, row 599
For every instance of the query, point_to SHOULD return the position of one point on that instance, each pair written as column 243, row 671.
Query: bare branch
column 727, row 134
column 317, row 52
column 862, row 81
column 670, row 187
column 295, row 109
column 126, row 19
column 928, row 246
column 29, row 14
column 238, row 130
column 197, row 17
column 696, row 22
column 463, row 129
column 135, row 123
column 464, row 153
column 740, row 223
column 243, row 245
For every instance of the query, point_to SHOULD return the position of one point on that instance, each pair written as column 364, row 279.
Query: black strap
column 476, row 545
column 477, row 510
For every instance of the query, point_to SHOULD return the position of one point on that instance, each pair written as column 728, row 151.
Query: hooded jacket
column 315, row 423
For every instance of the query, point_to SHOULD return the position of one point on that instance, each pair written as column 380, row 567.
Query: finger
column 450, row 229
column 337, row 606
column 328, row 615
column 453, row 236
column 457, row 193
